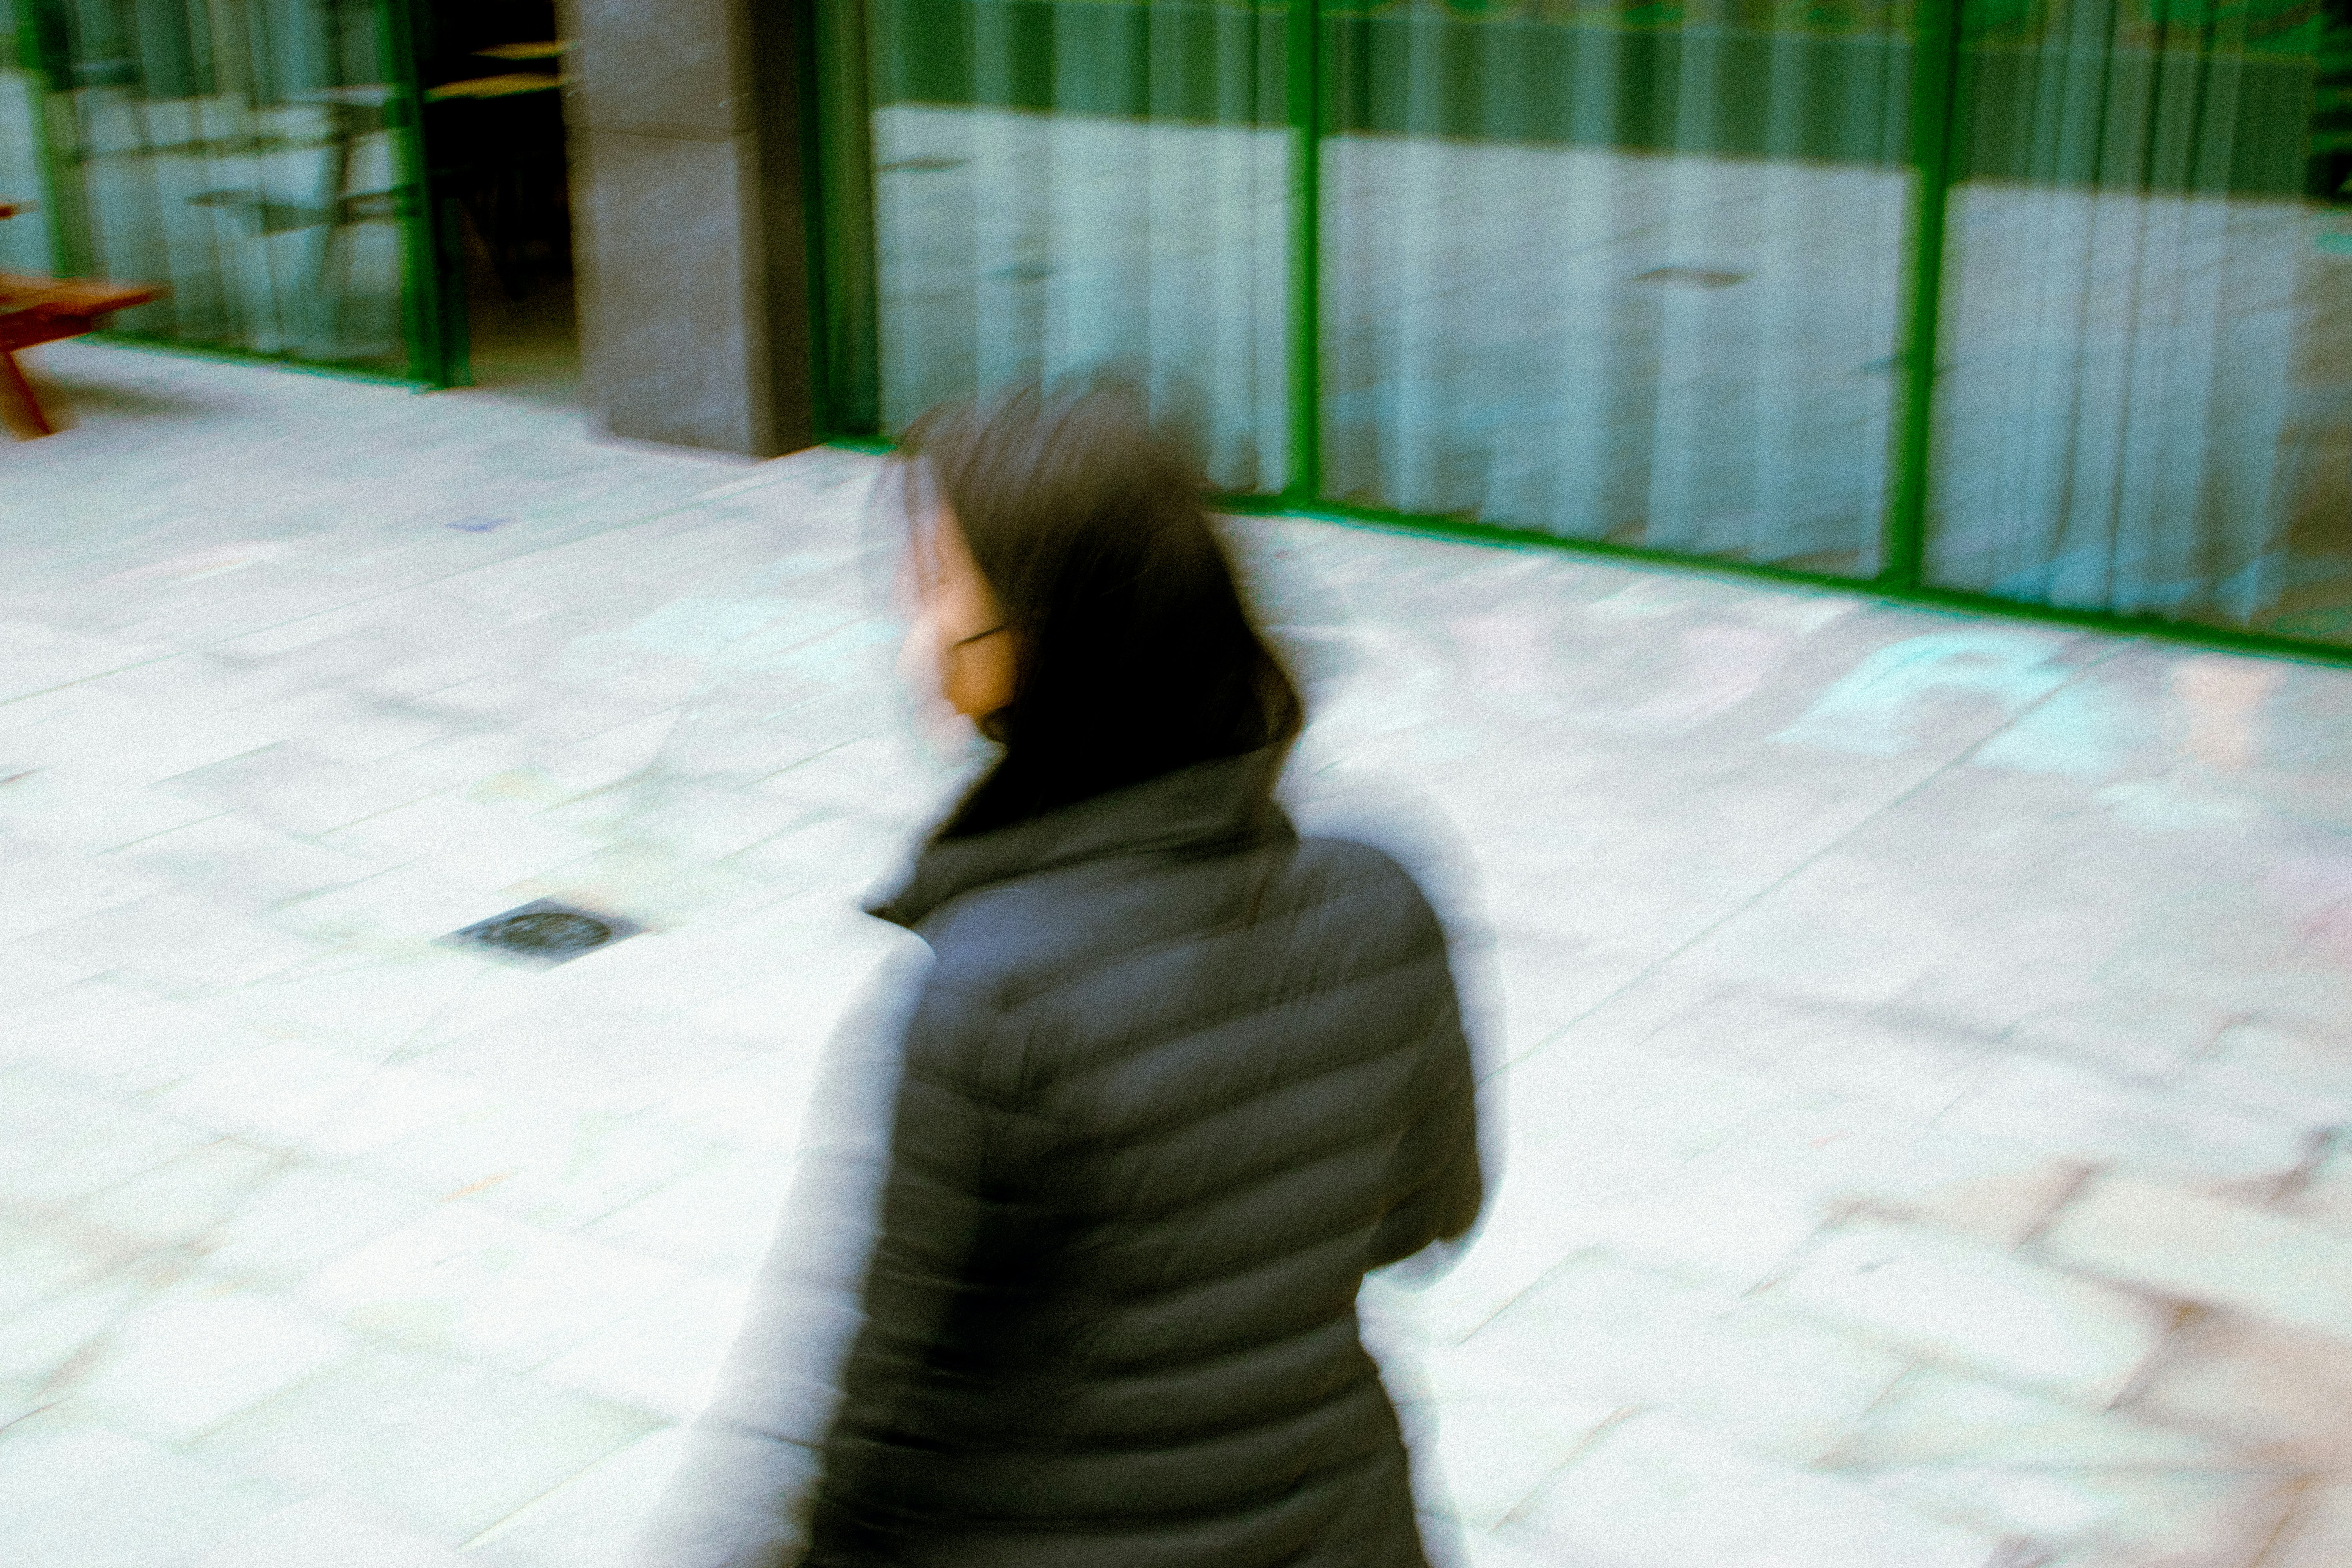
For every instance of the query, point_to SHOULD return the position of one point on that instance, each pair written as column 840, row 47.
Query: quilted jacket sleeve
column 953, row 1235
column 1435, row 1174
column 746, row 1467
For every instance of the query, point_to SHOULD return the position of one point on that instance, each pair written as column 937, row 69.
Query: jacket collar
column 1214, row 804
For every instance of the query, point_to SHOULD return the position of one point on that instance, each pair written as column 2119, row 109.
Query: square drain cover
column 544, row 933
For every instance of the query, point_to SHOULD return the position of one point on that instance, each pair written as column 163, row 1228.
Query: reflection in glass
column 24, row 239
column 1059, row 185
column 1620, row 271
column 2146, row 402
column 242, row 153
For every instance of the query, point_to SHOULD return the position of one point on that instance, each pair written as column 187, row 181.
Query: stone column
column 690, row 237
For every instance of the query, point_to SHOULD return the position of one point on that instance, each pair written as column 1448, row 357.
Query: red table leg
column 16, row 389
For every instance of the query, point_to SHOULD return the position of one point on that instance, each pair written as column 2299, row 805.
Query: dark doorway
column 491, row 72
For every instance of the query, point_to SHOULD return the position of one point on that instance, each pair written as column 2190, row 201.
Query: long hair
column 1135, row 653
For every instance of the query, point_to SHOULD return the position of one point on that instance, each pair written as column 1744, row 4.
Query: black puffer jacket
column 1175, row 1081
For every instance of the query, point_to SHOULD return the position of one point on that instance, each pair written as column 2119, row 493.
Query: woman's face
column 962, row 625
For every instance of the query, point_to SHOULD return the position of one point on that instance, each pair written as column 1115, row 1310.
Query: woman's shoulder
column 1014, row 940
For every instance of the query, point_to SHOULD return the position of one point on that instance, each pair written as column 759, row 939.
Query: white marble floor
column 1922, row 1044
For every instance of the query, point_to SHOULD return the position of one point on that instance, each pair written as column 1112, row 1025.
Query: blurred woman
column 1175, row 1080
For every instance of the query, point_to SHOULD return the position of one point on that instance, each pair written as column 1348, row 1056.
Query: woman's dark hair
column 1135, row 654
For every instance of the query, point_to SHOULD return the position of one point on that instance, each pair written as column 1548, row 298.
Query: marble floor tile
column 2320, row 1530
column 590, row 1519
column 1960, row 1301
column 2298, row 1076
column 456, row 1445
column 301, row 1220
column 1654, row 1494
column 721, row 1215
column 281, row 1095
column 180, row 1202
column 1938, row 1415
column 191, row 942
column 2082, row 1516
column 2194, row 1247
column 246, row 866
column 2074, row 1112
column 141, row 1045
column 557, row 1166
column 1483, row 1456
column 86, row 810
column 463, row 1281
column 1912, row 1069
column 463, row 839
column 185, row 1361
column 42, row 659
column 62, row 1143
column 408, row 904
column 665, row 1358
column 80, row 1495
column 43, row 1261
column 322, row 1533
column 1597, row 1329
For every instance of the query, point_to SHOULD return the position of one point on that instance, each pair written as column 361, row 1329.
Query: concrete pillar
column 690, row 237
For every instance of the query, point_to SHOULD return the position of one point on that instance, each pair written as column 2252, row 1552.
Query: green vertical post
column 837, row 154
column 1936, row 62
column 1303, row 98
column 809, row 96
column 436, row 349
column 45, row 49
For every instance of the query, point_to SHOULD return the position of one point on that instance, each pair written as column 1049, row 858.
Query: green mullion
column 808, row 63
column 44, row 46
column 1934, row 101
column 1303, row 92
column 836, row 119
column 437, row 352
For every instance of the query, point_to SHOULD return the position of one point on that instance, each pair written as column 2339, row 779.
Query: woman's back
column 1174, row 1081
column 1177, row 1080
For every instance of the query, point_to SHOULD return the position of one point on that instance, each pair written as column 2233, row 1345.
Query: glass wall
column 24, row 240
column 1621, row 273
column 1061, row 184
column 2147, row 397
column 255, row 155
column 2042, row 300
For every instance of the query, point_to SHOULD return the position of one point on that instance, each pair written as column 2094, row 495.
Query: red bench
column 42, row 310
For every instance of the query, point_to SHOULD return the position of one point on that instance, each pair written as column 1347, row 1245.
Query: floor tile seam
column 360, row 1342
column 2187, row 1309
column 1520, row 1512
column 118, row 1265
column 1893, row 803
column 1830, row 1459
column 1744, row 905
column 365, row 1342
column 2111, row 647
column 86, row 680
column 1842, row 838
column 1768, row 1295
column 2304, row 1507
column 676, row 509
column 2129, row 1083
column 1863, row 1478
column 662, row 1424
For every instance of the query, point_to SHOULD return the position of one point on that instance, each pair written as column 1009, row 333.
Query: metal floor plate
column 544, row 933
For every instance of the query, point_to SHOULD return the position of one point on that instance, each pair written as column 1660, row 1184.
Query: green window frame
column 841, row 210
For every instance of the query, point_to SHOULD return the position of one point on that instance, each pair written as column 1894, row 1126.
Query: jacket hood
column 1203, row 808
